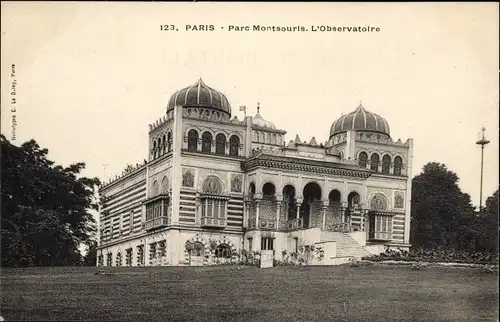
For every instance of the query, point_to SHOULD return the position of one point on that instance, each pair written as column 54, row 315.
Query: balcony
column 213, row 222
column 156, row 223
column 379, row 235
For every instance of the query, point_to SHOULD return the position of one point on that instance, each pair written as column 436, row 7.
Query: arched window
column 262, row 138
column 164, row 147
column 192, row 140
column 155, row 190
column 234, row 145
column 374, row 162
column 169, row 141
column 273, row 139
column 220, row 144
column 269, row 191
column 223, row 251
column 206, row 142
column 398, row 165
column 386, row 164
column 155, row 152
column 363, row 159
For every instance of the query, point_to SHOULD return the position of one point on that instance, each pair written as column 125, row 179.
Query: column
column 343, row 209
column 278, row 211
column 325, row 204
column 246, row 211
column 298, row 209
column 257, row 201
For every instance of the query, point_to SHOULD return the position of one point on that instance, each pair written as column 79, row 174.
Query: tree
column 487, row 226
column 441, row 213
column 45, row 208
column 90, row 259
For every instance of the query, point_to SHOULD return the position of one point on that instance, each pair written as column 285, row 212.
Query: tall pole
column 482, row 142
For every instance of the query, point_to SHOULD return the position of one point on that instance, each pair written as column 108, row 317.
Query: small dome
column 200, row 95
column 259, row 121
column 360, row 120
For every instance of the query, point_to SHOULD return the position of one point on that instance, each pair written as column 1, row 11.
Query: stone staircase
column 346, row 245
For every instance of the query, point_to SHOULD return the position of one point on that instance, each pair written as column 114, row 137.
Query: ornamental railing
column 343, row 227
column 270, row 224
column 156, row 223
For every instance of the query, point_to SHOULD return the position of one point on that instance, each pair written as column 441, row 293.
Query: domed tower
column 200, row 100
column 264, row 132
column 362, row 121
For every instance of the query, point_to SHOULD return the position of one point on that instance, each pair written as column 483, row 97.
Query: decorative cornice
column 295, row 164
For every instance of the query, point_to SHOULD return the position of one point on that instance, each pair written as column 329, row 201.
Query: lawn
column 229, row 293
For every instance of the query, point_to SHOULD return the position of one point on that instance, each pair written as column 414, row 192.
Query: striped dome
column 200, row 95
column 360, row 120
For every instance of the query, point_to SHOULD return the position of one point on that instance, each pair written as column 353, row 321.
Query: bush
column 435, row 255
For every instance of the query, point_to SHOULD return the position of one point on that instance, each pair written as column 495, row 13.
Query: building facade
column 214, row 185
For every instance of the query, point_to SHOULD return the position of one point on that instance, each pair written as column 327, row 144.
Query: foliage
column 45, row 208
column 434, row 256
column 90, row 258
column 442, row 216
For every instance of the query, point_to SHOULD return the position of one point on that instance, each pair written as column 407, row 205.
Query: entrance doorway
column 312, row 194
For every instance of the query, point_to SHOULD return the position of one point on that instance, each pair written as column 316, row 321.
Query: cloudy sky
column 92, row 76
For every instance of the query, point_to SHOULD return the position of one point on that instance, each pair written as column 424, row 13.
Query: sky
column 90, row 77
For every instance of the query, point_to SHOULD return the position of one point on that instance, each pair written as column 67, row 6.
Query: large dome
column 200, row 95
column 360, row 120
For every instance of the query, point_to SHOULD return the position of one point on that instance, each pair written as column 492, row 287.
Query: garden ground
column 230, row 293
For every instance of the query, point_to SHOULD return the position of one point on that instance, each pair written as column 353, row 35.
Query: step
column 346, row 245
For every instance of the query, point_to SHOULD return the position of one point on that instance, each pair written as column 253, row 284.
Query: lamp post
column 482, row 142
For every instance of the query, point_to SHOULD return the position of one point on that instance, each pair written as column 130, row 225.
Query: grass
column 228, row 293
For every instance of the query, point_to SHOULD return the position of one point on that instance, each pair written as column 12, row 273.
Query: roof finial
column 360, row 103
column 258, row 107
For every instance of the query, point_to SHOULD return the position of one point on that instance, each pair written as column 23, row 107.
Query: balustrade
column 156, row 223
column 343, row 227
column 216, row 222
column 380, row 235
column 270, row 224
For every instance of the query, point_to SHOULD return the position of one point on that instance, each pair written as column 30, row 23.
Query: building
column 215, row 185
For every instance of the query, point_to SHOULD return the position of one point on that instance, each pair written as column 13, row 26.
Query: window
column 398, row 165
column 164, row 145
column 118, row 259
column 213, row 208
column 140, row 255
column 109, row 259
column 223, row 251
column 386, row 164
column 206, row 142
column 374, row 162
column 234, row 146
column 267, row 243
column 100, row 260
column 192, row 140
column 380, row 227
column 220, row 144
column 197, row 249
column 250, row 245
column 296, row 242
column 128, row 257
column 169, row 141
column 162, row 249
column 154, row 150
column 363, row 159
column 152, row 251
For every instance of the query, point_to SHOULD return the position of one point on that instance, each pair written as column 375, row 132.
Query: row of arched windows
column 207, row 141
column 267, row 138
column 386, row 163
column 162, row 145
